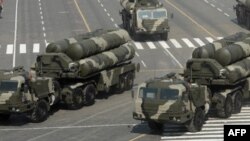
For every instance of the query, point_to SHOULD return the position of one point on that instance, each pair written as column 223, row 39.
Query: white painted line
column 112, row 19
column 41, row 12
column 219, row 9
column 108, row 14
column 188, row 42
column 36, row 48
column 151, row 45
column 195, row 139
column 116, row 26
column 15, row 36
column 212, row 5
column 9, row 49
column 223, row 121
column 143, row 63
column 226, row 14
column 44, row 35
column 39, row 0
column 138, row 45
column 137, row 54
column 164, row 44
column 42, row 17
column 101, row 5
column 205, row 1
column 40, row 8
column 105, row 9
column 99, row 1
column 40, row 4
column 22, row 48
column 180, row 65
column 46, row 43
column 197, row 133
column 43, row 28
column 219, row 38
column 42, row 22
column 209, row 39
column 192, row 137
column 175, row 43
column 199, row 41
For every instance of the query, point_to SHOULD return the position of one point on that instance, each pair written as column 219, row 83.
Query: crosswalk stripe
column 199, row 41
column 175, row 43
column 151, row 45
column 36, row 48
column 138, row 45
column 164, row 44
column 9, row 49
column 22, row 48
column 209, row 39
column 188, row 42
column 219, row 38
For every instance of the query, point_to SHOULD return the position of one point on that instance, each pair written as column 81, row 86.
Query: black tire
column 155, row 126
column 164, row 36
column 121, row 84
column 129, row 82
column 4, row 117
column 40, row 112
column 89, row 93
column 237, row 102
column 197, row 122
column 77, row 99
column 227, row 110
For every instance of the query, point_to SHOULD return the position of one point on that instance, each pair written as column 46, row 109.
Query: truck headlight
column 73, row 67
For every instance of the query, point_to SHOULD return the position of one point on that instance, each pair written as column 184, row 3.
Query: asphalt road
column 28, row 25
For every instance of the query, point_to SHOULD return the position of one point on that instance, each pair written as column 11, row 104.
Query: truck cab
column 170, row 99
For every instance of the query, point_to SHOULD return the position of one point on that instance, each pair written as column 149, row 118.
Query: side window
column 149, row 93
column 169, row 94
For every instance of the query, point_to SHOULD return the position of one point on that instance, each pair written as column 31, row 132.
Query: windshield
column 8, row 85
column 149, row 93
column 152, row 14
column 169, row 94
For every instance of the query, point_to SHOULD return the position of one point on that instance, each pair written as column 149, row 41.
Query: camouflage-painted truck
column 87, row 64
column 243, row 12
column 145, row 17
column 216, row 79
column 21, row 94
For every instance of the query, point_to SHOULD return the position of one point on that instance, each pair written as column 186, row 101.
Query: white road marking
column 105, row 9
column 108, row 14
column 22, row 48
column 10, row 49
column 180, row 65
column 219, row 9
column 199, row 41
column 188, row 42
column 99, row 1
column 175, row 43
column 112, row 19
column 138, row 45
column 41, row 12
column 36, row 48
column 116, row 26
column 42, row 22
column 15, row 37
column 44, row 35
column 41, row 17
column 209, row 39
column 212, row 5
column 151, row 45
column 143, row 63
column 226, row 14
column 206, row 1
column 43, row 28
column 219, row 38
column 40, row 8
column 101, row 5
column 137, row 54
column 164, row 44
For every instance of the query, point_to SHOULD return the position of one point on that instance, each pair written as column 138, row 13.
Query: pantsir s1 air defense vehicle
column 145, row 17
column 21, row 94
column 87, row 64
column 243, row 12
column 216, row 79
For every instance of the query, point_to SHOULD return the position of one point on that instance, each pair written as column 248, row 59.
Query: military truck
column 243, row 12
column 21, row 94
column 145, row 17
column 88, row 64
column 216, row 79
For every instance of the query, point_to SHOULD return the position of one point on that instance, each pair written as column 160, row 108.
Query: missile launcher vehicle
column 216, row 80
column 243, row 12
column 99, row 62
column 145, row 17
column 21, row 94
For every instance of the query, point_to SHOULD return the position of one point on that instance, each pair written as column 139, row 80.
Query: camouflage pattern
column 244, row 2
column 233, row 52
column 176, row 105
column 97, row 44
column 106, row 59
column 18, row 94
column 208, row 50
column 130, row 5
column 62, row 45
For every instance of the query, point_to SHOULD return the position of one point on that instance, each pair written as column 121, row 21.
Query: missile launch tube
column 208, row 50
column 106, row 59
column 97, row 44
column 233, row 52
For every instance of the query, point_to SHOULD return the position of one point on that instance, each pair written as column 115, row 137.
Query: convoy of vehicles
column 217, row 77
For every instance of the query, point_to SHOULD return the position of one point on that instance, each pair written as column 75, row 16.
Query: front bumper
column 16, row 108
column 150, row 32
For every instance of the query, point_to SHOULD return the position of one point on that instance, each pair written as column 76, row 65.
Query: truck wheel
column 164, row 36
column 4, row 117
column 155, row 126
column 77, row 99
column 40, row 112
column 89, row 93
column 227, row 108
column 237, row 102
column 129, row 81
column 197, row 122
